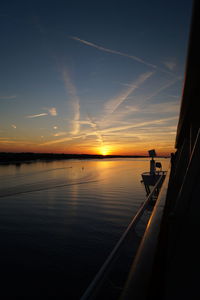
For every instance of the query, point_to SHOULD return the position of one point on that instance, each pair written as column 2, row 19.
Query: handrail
column 97, row 281
column 137, row 285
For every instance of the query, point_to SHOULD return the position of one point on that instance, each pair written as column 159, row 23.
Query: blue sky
column 90, row 76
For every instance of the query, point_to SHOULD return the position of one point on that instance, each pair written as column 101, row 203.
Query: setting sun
column 104, row 150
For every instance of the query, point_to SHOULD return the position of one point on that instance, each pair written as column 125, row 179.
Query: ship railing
column 137, row 285
column 97, row 283
column 156, row 173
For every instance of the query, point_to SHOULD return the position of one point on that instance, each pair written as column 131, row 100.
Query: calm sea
column 60, row 220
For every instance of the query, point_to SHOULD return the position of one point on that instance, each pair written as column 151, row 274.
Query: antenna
column 152, row 153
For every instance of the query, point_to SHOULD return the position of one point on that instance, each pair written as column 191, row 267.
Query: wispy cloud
column 171, row 65
column 96, row 130
column 159, row 108
column 144, row 131
column 161, row 89
column 10, row 97
column 66, row 139
column 61, row 133
column 137, row 125
column 114, row 103
column 119, row 125
column 36, row 116
column 132, row 108
column 75, row 102
column 133, row 57
column 9, row 142
column 52, row 111
column 145, row 106
column 113, row 51
column 14, row 141
column 174, row 96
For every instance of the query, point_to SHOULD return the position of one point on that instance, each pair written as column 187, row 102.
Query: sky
column 95, row 77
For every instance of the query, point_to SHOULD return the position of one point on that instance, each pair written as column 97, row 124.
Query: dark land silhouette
column 10, row 157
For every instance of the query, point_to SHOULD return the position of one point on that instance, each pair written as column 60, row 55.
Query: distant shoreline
column 28, row 157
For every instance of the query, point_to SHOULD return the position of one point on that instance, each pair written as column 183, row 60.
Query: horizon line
column 78, row 154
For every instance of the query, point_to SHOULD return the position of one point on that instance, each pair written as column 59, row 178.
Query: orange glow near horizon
column 142, row 149
column 104, row 150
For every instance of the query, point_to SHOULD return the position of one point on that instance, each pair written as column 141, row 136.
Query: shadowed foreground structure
column 167, row 264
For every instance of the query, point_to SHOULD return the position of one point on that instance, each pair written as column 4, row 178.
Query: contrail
column 133, row 57
column 75, row 102
column 97, row 131
column 114, row 103
column 113, row 51
column 142, row 124
column 35, row 116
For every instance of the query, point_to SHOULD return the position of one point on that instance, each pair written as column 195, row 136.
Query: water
column 60, row 220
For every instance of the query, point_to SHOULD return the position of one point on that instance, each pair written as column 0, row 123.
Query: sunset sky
column 101, row 77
